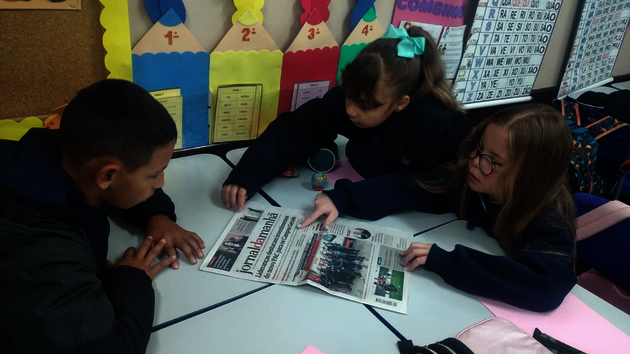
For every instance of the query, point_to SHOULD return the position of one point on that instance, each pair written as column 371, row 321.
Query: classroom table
column 194, row 185
column 279, row 319
column 437, row 310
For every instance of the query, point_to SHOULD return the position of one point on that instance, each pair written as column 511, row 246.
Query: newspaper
column 354, row 260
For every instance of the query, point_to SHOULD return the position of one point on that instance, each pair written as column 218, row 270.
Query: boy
column 58, row 293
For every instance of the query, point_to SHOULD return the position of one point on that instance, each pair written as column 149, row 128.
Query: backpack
column 582, row 174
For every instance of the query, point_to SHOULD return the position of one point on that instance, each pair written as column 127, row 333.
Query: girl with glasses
column 394, row 105
column 510, row 180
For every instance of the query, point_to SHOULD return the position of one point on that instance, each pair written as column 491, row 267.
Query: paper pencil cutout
column 156, row 9
column 309, row 67
column 169, row 57
column 366, row 31
column 245, row 72
column 363, row 6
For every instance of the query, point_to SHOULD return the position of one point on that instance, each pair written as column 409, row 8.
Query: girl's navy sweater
column 536, row 276
column 413, row 141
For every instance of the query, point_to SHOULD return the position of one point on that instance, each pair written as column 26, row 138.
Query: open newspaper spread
column 355, row 260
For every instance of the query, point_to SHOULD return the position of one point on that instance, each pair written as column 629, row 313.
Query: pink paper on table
column 343, row 170
column 573, row 323
column 312, row 350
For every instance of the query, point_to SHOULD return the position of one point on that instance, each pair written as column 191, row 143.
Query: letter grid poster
column 502, row 58
column 596, row 45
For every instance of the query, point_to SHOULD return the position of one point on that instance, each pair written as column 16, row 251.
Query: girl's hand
column 323, row 205
column 233, row 196
column 416, row 255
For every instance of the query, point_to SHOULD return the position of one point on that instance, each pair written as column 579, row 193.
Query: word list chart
column 238, row 111
column 598, row 39
column 306, row 91
column 502, row 58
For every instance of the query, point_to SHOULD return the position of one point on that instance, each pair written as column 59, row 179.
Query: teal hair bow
column 408, row 46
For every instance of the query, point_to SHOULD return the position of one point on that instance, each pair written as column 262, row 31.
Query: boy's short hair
column 114, row 118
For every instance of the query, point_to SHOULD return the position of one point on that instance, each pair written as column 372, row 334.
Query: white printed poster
column 508, row 41
column 600, row 33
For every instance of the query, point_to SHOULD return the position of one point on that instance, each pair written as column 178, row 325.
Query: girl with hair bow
column 394, row 105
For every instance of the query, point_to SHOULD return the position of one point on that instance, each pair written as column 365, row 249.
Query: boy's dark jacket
column 415, row 140
column 53, row 247
column 536, row 276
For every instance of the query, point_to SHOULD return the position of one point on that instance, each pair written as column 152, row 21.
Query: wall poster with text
column 508, row 41
column 600, row 32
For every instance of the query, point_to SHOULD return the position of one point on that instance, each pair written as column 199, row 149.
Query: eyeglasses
column 486, row 162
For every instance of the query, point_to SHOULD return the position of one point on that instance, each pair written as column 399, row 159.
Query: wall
column 47, row 56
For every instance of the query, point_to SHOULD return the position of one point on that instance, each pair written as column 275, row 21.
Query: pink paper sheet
column 343, row 170
column 573, row 323
column 311, row 350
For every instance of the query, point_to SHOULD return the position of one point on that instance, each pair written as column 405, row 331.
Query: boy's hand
column 144, row 256
column 163, row 228
column 233, row 196
column 416, row 255
column 323, row 205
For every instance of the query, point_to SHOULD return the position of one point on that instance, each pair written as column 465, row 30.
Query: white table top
column 194, row 185
column 279, row 319
column 430, row 295
column 436, row 309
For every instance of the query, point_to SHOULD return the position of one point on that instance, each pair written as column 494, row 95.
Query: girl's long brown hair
column 423, row 76
column 539, row 148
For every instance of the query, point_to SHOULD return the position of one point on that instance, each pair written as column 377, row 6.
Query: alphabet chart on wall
column 596, row 45
column 508, row 41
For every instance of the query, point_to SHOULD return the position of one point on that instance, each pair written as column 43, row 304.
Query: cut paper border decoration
column 156, row 9
column 598, row 38
column 309, row 67
column 449, row 13
column 13, row 130
column 245, row 56
column 116, row 39
column 169, row 57
column 504, row 52
column 368, row 29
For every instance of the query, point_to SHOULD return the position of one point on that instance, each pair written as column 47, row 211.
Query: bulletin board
column 50, row 57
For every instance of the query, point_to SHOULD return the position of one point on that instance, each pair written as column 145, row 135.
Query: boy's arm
column 59, row 305
column 158, row 213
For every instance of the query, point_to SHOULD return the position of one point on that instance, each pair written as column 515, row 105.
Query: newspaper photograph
column 354, row 260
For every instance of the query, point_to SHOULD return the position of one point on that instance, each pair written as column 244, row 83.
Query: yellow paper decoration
column 243, row 67
column 12, row 130
column 117, row 39
column 244, row 6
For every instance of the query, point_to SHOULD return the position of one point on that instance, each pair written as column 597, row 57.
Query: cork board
column 46, row 56
column 41, row 4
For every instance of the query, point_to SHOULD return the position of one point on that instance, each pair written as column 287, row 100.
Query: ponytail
column 432, row 79
column 422, row 76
